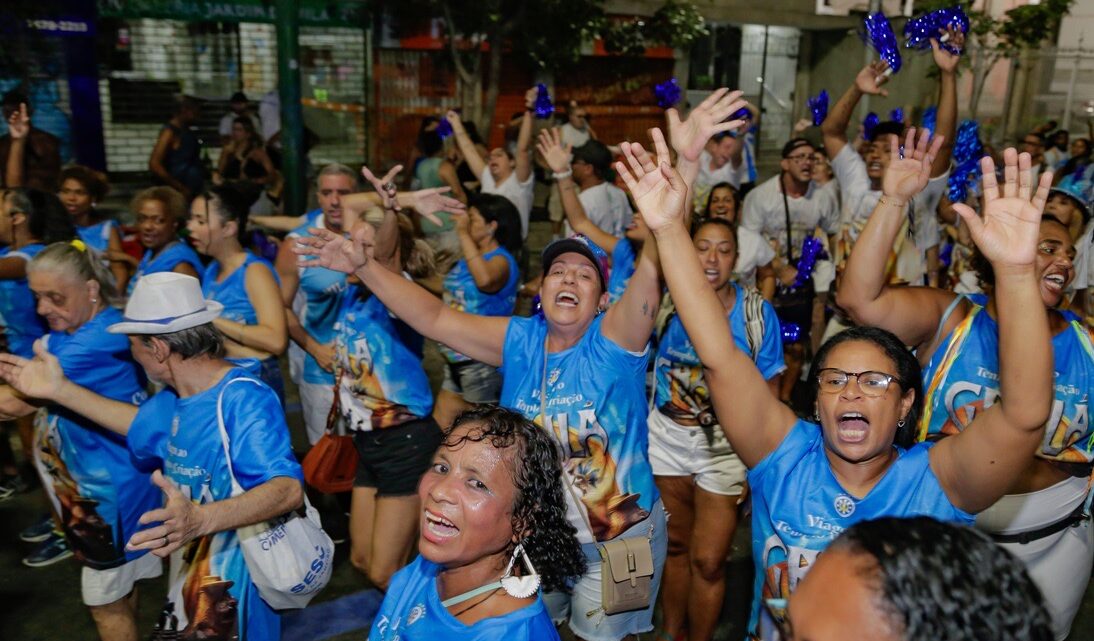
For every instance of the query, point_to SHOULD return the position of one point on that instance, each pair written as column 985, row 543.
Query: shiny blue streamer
column 792, row 332
column 920, row 29
column 930, row 118
column 668, row 93
column 819, row 107
column 544, row 107
column 869, row 124
column 444, row 128
column 897, row 115
column 967, row 151
column 878, row 33
column 811, row 251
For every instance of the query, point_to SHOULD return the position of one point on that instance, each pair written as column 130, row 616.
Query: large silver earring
column 520, row 587
column 900, row 423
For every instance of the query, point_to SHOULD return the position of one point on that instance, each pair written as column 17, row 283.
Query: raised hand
column 453, row 118
column 40, row 377
column 325, row 248
column 19, row 123
column 554, row 153
column 907, row 176
column 385, row 186
column 428, row 202
column 530, row 98
column 947, row 62
column 1007, row 230
column 658, row 189
column 708, row 118
column 872, row 77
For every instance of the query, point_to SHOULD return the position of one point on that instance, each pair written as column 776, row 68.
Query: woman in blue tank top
column 91, row 481
column 253, row 321
column 483, row 282
column 812, row 480
column 956, row 340
column 81, row 188
column 29, row 220
column 159, row 212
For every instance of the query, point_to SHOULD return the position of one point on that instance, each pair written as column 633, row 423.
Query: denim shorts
column 476, row 382
column 582, row 607
column 393, row 459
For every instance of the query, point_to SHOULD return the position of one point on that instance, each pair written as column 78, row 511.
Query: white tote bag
column 290, row 557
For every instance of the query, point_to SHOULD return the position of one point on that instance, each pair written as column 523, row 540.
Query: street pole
column 1071, row 84
column 760, row 103
column 292, row 113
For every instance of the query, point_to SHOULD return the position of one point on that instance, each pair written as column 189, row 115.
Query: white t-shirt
column 752, row 252
column 765, row 214
column 269, row 113
column 607, row 207
column 860, row 199
column 571, row 135
column 707, row 178
column 518, row 193
column 226, row 122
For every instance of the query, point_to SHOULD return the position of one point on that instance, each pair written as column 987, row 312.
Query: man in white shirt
column 507, row 172
column 239, row 105
column 605, row 204
column 916, row 252
column 720, row 162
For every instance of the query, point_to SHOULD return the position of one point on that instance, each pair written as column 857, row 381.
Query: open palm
column 871, row 78
column 555, row 154
column 658, row 190
column 428, row 202
column 40, row 377
column 1006, row 232
column 705, row 120
column 325, row 248
column 905, row 177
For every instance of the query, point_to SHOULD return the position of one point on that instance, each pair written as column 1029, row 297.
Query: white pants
column 1059, row 564
column 315, row 403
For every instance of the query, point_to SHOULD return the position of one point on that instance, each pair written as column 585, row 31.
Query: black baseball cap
column 238, row 96
column 596, row 154
column 795, row 143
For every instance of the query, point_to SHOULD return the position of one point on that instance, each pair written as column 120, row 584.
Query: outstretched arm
column 754, row 419
column 524, row 138
column 977, row 466
column 912, row 313
column 467, row 147
column 834, row 128
column 946, row 121
column 557, row 158
column 19, row 130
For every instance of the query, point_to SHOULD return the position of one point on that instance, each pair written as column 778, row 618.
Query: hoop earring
column 520, row 587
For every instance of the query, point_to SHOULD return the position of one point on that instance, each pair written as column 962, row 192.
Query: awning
column 314, row 13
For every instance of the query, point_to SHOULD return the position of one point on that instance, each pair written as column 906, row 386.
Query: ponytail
column 75, row 260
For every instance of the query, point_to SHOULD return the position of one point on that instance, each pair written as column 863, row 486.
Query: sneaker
column 5, row 492
column 15, row 484
column 52, row 550
column 38, row 532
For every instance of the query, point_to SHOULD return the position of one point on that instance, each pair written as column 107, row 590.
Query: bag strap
column 754, row 321
column 786, row 210
column 237, row 489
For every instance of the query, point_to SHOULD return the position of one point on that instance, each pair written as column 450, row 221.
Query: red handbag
column 330, row 466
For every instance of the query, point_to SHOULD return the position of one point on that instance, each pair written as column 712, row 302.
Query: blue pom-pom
column 792, row 332
column 444, row 128
column 811, row 251
column 869, row 124
column 544, row 106
column 920, row 29
column 819, row 107
column 878, row 33
column 967, row 151
column 668, row 93
column 952, row 18
column 930, row 117
column 897, row 115
column 741, row 114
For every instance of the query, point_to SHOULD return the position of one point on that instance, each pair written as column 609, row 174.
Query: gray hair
column 76, row 260
column 338, row 169
column 203, row 340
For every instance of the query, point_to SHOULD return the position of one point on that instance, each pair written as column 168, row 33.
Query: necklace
column 489, row 596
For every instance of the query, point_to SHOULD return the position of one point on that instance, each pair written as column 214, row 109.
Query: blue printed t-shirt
column 20, row 323
column 596, row 404
column 92, row 482
column 232, row 290
column 378, row 360
column 623, row 260
column 412, row 610
column 97, row 236
column 681, row 391
column 799, row 507
column 182, row 435
column 970, row 384
column 462, row 294
column 318, row 300
column 170, row 257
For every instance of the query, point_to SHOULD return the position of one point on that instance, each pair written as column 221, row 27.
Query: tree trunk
column 486, row 114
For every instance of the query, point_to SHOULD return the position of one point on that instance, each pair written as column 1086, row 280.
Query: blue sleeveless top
column 962, row 378
column 316, row 304
column 799, row 507
column 97, row 236
column 623, row 259
column 461, row 293
column 169, row 257
column 20, row 323
column 232, row 291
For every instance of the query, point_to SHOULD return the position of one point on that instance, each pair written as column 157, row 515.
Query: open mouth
column 852, row 427
column 712, row 275
column 439, row 527
column 874, row 166
column 1055, row 282
column 567, row 299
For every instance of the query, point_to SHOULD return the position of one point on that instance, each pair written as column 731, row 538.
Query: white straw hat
column 166, row 302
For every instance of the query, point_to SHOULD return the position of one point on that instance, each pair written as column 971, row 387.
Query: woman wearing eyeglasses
column 855, row 461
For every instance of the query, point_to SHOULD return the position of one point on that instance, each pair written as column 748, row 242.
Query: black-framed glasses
column 773, row 623
column 802, row 158
column 832, row 381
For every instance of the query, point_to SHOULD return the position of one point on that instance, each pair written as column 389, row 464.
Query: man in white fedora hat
column 169, row 324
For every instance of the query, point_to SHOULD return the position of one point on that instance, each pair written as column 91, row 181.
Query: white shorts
column 103, row 587
column 703, row 453
column 315, row 403
column 1059, row 564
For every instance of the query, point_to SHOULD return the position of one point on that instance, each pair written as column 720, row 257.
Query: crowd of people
column 844, row 352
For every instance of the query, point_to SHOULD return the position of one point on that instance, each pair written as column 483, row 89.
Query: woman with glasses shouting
column 855, row 460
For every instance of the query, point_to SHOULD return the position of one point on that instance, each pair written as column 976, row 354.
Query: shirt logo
column 844, row 505
column 552, row 378
column 416, row 613
column 175, row 426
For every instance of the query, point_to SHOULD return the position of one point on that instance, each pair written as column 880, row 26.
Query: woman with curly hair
column 81, row 189
column 883, row 578
column 493, row 533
